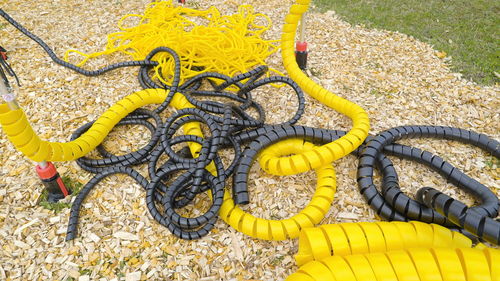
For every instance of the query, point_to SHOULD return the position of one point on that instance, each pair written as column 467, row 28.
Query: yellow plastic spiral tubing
column 316, row 243
column 432, row 264
column 21, row 134
column 319, row 156
column 392, row 251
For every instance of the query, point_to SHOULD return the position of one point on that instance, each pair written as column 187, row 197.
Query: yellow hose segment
column 317, row 243
column 19, row 131
column 277, row 163
column 204, row 40
column 431, row 264
column 289, row 228
column 364, row 251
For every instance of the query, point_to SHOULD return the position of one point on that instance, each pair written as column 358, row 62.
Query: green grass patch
column 466, row 30
column 57, row 207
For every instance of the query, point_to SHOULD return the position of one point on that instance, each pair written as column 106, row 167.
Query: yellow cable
column 204, row 40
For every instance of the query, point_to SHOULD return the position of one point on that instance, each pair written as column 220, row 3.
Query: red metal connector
column 56, row 190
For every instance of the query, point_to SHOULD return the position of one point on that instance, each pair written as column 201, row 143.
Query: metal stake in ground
column 56, row 190
column 301, row 45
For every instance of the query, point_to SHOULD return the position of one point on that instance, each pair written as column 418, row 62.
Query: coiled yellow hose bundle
column 204, row 40
column 392, row 251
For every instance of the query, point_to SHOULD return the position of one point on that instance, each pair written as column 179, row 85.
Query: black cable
column 391, row 203
column 73, row 67
column 467, row 218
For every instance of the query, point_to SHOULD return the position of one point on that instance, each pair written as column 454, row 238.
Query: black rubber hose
column 268, row 135
column 476, row 223
column 59, row 61
column 75, row 207
column 166, row 194
column 395, row 205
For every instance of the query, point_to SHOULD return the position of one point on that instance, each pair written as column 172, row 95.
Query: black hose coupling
column 56, row 190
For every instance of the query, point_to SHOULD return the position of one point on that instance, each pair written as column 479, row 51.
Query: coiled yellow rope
column 204, row 40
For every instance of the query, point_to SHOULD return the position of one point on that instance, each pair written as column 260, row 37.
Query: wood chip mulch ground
column 397, row 79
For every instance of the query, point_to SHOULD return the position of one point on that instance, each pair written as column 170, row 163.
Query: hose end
column 56, row 190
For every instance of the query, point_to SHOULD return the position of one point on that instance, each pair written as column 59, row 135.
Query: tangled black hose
column 393, row 204
column 226, row 123
column 458, row 213
column 164, row 195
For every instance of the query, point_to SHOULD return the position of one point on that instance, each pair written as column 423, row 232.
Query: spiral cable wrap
column 393, row 204
column 391, row 251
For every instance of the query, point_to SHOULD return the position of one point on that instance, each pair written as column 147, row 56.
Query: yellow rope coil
column 316, row 243
column 278, row 164
column 429, row 264
column 204, row 40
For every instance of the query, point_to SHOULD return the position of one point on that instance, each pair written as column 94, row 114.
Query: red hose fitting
column 301, row 54
column 56, row 190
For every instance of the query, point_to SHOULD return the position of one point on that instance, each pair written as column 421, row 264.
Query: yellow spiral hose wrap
column 278, row 164
column 19, row 131
column 392, row 251
column 316, row 243
column 426, row 264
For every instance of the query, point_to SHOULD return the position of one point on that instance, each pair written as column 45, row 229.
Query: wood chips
column 397, row 79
